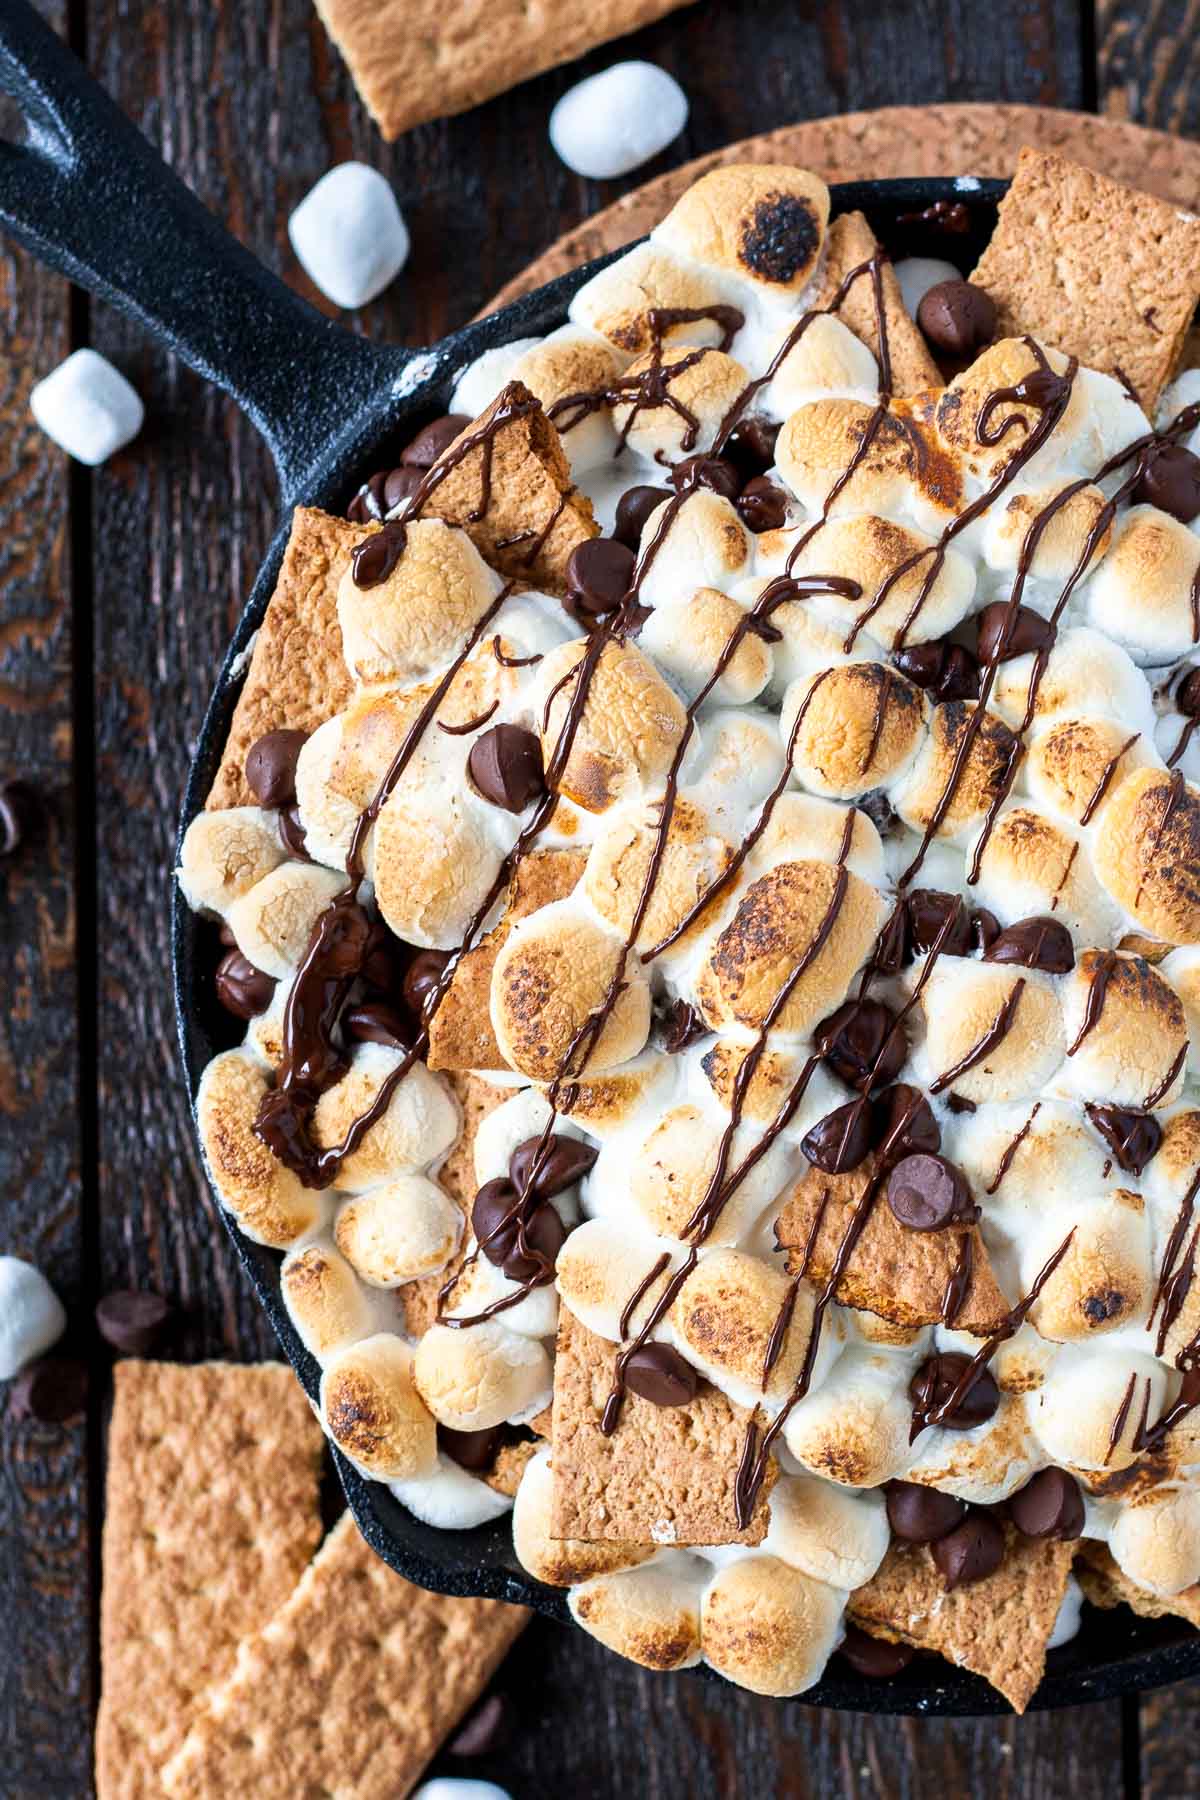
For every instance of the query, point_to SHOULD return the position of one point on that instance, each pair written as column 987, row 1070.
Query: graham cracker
column 898, row 1274
column 476, row 1098
column 1097, row 270
column 850, row 241
column 348, row 1690
column 665, row 1476
column 1106, row 1585
column 414, row 60
column 998, row 1627
column 212, row 1513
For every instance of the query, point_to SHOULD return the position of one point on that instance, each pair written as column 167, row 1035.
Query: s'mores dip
column 707, row 860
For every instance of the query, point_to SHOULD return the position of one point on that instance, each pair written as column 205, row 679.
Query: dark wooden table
column 117, row 592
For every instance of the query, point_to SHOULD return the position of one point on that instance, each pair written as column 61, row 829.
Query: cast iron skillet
column 88, row 195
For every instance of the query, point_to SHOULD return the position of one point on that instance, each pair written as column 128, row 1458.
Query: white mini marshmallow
column 31, row 1315
column 917, row 274
column 349, row 235
column 450, row 1498
column 616, row 121
column 87, row 407
column 1066, row 1625
column 451, row 1787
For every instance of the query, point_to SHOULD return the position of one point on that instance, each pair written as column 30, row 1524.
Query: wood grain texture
column 1170, row 1743
column 1148, row 57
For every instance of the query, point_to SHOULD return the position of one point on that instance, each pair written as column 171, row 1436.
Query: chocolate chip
column 927, row 1193
column 928, row 911
column 971, row 1552
column 489, row 1728
column 567, row 1160
column 271, row 766
column 946, row 671
column 1187, row 695
column 51, row 1390
column 422, row 978
column 292, row 832
column 545, row 1235
column 1133, row 1137
column 433, row 439
column 1028, row 632
column 474, row 1450
column 862, row 1043
column 957, row 317
column 958, row 1103
column 382, row 493
column 242, row 989
column 681, row 1027
column 659, row 1374
column 921, row 1515
column 1037, row 943
column 891, row 948
column 985, row 928
column 936, row 1380
column 599, row 572
column 921, row 663
column 493, row 1218
column 375, row 1022
column 1048, row 1506
column 713, row 472
column 19, row 811
column 131, row 1321
column 761, row 506
column 1171, row 481
column 383, row 964
column 874, row 1657
column 751, row 447
column 633, row 509
column 842, row 1139
column 907, row 1124
column 505, row 765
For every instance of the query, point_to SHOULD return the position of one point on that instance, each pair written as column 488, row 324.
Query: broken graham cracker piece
column 476, row 1099
column 1094, row 269
column 665, row 1476
column 898, row 1274
column 348, row 1689
column 212, row 1514
column 414, row 60
column 1105, row 1584
column 849, row 242
column 998, row 1627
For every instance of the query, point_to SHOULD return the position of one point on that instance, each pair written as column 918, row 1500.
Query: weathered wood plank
column 1148, row 56
column 1170, row 1742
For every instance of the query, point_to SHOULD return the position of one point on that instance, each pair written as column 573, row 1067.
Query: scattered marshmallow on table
column 616, row 121
column 450, row 1787
column 87, row 407
column 349, row 234
column 31, row 1315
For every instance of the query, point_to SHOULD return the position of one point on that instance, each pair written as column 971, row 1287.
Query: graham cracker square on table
column 665, row 1476
column 212, row 1515
column 414, row 60
column 1094, row 269
column 998, row 1627
column 348, row 1690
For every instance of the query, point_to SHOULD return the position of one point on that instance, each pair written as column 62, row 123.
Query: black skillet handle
column 87, row 194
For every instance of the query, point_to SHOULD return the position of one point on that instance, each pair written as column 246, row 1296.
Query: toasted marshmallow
column 1105, row 1279
column 802, row 827
column 1081, row 526
column 791, row 913
column 1031, row 866
column 680, row 410
column 412, row 622
column 854, row 1429
column 1002, row 365
column 1174, row 1166
column 325, row 1302
column 925, row 596
column 1146, row 849
column 723, row 1318
column 650, row 1615
column 769, row 1627
column 671, row 1173
column 985, row 1465
column 561, row 1562
column 554, row 970
column 373, row 1412
column 266, row 1199
column 264, row 1033
column 603, row 1104
column 1076, row 764
column 1028, row 1158
column 273, row 923
column 826, row 359
column 450, row 1499
column 473, row 1379
column 1126, row 1056
column 692, row 640
column 1155, row 1540
column 568, row 362
column 1087, row 1413
column 1182, row 969
column 407, row 1228
column 920, row 795
column 687, row 860
column 1142, row 593
column 764, row 222
column 619, row 300
column 224, row 855
column 964, row 1004
column 419, row 1124
column 629, row 730
column 703, row 544
column 835, row 1537
column 480, row 1285
column 600, row 1267
column 862, row 725
column 1085, row 673
column 434, row 863
column 771, row 1093
column 903, row 467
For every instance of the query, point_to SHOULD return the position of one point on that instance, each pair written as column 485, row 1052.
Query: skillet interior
column 1116, row 1653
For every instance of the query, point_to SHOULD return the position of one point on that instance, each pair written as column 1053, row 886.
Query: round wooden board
column 971, row 139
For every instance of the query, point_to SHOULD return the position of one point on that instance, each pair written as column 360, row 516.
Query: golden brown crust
column 849, row 242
